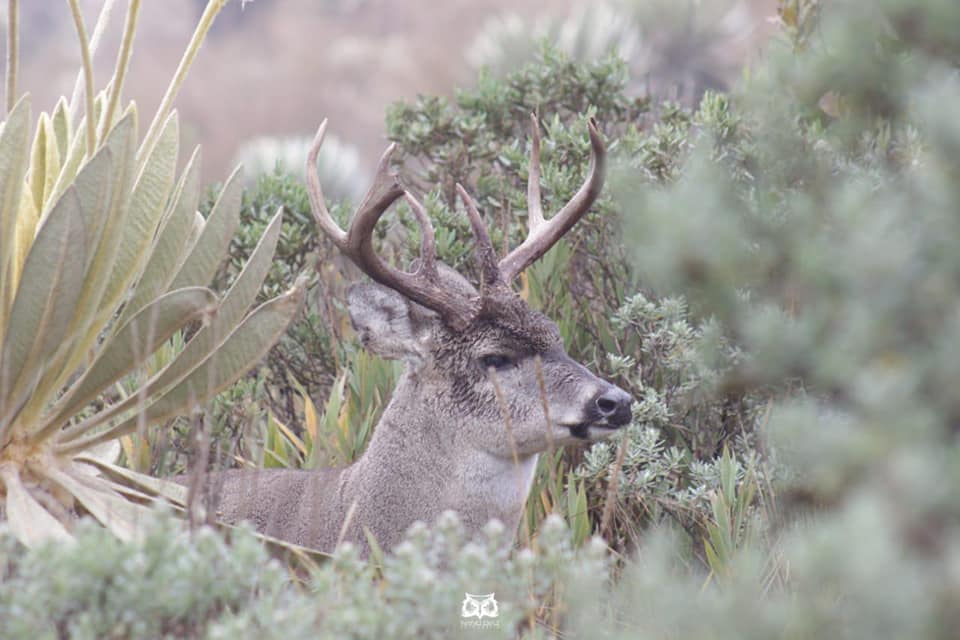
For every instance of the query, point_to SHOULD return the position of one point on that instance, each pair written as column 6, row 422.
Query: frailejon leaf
column 146, row 207
column 51, row 163
column 93, row 188
column 242, row 349
column 37, row 171
column 292, row 554
column 26, row 228
column 235, row 304
column 211, row 247
column 77, row 153
column 29, row 521
column 45, row 301
column 121, row 144
column 13, row 166
column 172, row 244
column 61, row 127
column 131, row 346
column 177, row 495
column 171, row 491
column 123, row 518
column 76, row 142
column 87, row 323
column 70, row 164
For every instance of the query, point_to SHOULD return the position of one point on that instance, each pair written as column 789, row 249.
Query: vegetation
column 175, row 585
column 773, row 275
column 481, row 141
column 102, row 265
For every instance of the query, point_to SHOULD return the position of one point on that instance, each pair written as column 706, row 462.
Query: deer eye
column 497, row 361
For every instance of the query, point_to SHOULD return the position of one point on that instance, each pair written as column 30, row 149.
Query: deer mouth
column 581, row 430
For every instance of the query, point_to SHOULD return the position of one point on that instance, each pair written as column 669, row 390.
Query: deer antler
column 423, row 286
column 545, row 233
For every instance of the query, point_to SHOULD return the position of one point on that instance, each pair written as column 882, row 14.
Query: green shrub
column 167, row 585
column 819, row 232
column 178, row 584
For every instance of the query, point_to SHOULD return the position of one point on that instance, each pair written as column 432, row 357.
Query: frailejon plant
column 103, row 258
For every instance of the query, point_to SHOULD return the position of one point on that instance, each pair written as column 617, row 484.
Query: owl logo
column 479, row 606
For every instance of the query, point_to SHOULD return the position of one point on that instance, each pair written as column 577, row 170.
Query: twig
column 197, row 476
column 120, row 72
column 166, row 104
column 87, row 74
column 346, row 524
column 98, row 30
column 13, row 51
column 612, row 488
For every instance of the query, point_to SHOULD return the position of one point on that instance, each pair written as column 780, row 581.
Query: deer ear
column 386, row 322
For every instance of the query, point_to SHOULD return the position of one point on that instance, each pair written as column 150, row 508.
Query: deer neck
column 417, row 459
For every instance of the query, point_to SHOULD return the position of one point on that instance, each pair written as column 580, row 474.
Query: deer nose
column 614, row 405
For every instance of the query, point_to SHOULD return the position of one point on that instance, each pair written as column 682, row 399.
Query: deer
column 486, row 385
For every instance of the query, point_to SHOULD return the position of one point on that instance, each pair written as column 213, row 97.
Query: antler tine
column 486, row 254
column 544, row 234
column 428, row 247
column 356, row 243
column 317, row 205
column 385, row 190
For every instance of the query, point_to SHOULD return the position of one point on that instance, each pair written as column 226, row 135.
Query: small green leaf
column 377, row 556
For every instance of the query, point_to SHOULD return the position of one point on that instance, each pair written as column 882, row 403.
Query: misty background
column 275, row 68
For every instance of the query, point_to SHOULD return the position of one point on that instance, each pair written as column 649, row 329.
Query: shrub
column 817, row 230
column 176, row 584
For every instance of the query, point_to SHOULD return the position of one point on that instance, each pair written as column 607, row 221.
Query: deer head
column 479, row 360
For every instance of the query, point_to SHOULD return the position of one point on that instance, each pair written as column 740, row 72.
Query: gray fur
column 442, row 442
